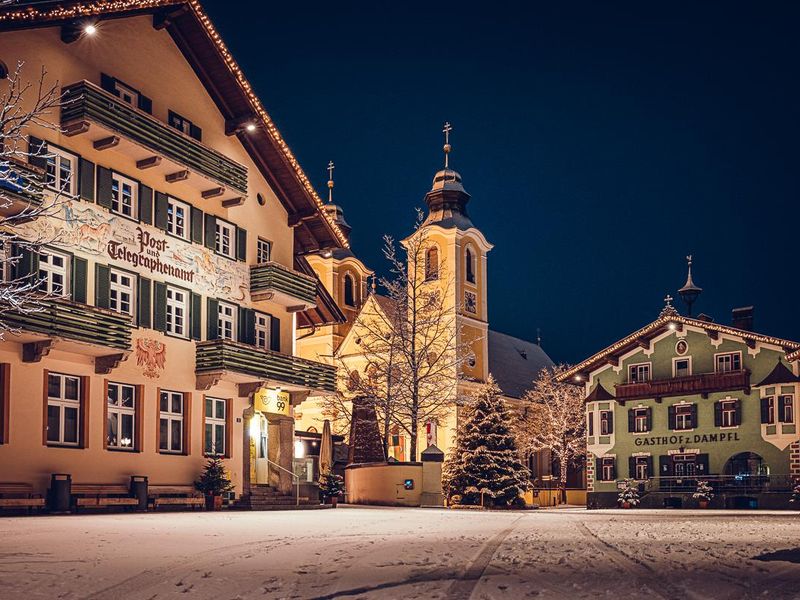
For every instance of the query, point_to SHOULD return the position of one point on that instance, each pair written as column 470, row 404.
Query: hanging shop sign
column 272, row 401
column 697, row 438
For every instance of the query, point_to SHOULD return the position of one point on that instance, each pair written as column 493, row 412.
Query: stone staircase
column 266, row 497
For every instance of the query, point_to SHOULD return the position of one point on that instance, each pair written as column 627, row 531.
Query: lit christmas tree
column 485, row 466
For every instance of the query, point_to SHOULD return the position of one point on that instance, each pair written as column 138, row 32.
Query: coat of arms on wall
column 152, row 356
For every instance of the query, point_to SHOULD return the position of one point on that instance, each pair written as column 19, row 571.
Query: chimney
column 705, row 317
column 743, row 318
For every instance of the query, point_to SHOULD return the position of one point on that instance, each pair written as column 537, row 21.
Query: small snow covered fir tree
column 331, row 485
column 795, row 492
column 214, row 480
column 704, row 492
column 629, row 495
column 485, row 464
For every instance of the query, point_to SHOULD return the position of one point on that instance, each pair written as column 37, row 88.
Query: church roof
column 447, row 201
column 200, row 43
column 515, row 363
column 599, row 393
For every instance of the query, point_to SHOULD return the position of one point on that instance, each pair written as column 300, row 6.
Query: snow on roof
column 515, row 363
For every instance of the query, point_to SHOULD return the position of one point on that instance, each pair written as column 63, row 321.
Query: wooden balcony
column 113, row 123
column 703, row 384
column 72, row 327
column 218, row 360
column 21, row 187
column 276, row 283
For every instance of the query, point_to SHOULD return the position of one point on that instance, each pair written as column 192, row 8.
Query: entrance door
column 262, row 451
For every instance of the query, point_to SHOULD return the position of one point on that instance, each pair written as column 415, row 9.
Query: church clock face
column 470, row 302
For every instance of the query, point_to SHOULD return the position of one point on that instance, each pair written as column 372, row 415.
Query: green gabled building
column 684, row 400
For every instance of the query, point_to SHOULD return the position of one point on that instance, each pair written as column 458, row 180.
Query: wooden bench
column 94, row 495
column 19, row 495
column 174, row 495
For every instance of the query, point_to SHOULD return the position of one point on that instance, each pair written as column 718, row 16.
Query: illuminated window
column 121, row 419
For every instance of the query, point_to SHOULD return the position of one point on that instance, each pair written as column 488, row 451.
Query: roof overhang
column 206, row 53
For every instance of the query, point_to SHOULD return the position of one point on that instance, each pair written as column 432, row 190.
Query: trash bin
column 60, row 492
column 139, row 491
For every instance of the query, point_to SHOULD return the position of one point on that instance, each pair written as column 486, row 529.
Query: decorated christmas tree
column 485, row 466
column 331, row 485
column 795, row 492
column 214, row 480
column 629, row 495
column 704, row 492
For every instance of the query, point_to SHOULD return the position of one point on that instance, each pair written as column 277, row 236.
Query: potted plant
column 703, row 494
column 629, row 494
column 213, row 482
column 331, row 486
column 795, row 492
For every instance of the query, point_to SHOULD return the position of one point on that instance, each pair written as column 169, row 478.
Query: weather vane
column 447, row 147
column 330, row 181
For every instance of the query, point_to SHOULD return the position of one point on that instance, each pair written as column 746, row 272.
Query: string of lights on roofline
column 90, row 29
column 670, row 317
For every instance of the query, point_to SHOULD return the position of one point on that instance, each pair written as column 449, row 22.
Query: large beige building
column 174, row 261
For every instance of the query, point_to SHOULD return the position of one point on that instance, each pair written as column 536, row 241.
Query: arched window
column 432, row 263
column 470, row 259
column 349, row 290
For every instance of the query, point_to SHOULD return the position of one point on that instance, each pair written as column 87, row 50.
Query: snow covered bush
column 704, row 492
column 214, row 480
column 629, row 494
column 795, row 492
column 331, row 485
column 485, row 466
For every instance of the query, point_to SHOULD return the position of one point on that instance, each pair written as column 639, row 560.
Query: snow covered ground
column 401, row 553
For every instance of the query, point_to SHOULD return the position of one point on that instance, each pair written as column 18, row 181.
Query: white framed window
column 54, row 272
column 63, row 409
column 606, row 422
column 263, row 331
column 170, row 421
column 681, row 367
column 683, row 417
column 215, row 423
column 62, row 169
column 728, row 413
column 122, row 293
column 786, row 408
column 126, row 94
column 225, row 240
column 226, row 321
column 263, row 251
column 768, row 404
column 177, row 310
column 121, row 419
column 124, row 194
column 178, row 218
column 641, row 422
column 639, row 373
column 641, row 470
column 607, row 470
column 728, row 362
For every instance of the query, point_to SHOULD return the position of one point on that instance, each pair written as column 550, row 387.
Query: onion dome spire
column 689, row 292
column 447, row 200
column 334, row 211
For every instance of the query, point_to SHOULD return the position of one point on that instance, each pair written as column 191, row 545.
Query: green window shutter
column 86, row 179
column 717, row 414
column 765, row 410
column 649, row 419
column 631, row 420
column 598, row 469
column 102, row 285
column 632, row 467
column 104, row 187
column 80, row 266
column 737, row 415
column 702, row 464
column 28, row 263
column 197, row 225
column 274, row 334
column 145, row 303
column 162, row 206
column 241, row 244
column 107, row 83
column 247, row 326
column 159, row 306
column 610, row 422
column 145, row 104
column 197, row 316
column 37, row 149
column 211, row 231
column 694, row 416
column 212, row 327
column 614, row 469
column 671, row 416
column 145, row 204
column 650, row 467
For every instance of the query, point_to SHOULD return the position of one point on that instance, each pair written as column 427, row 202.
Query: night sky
column 601, row 143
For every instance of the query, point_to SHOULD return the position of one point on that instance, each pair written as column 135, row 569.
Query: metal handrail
column 296, row 478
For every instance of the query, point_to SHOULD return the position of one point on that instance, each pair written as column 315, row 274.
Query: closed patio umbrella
column 326, row 448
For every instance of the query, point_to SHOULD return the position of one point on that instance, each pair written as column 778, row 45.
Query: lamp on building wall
column 299, row 449
column 90, row 29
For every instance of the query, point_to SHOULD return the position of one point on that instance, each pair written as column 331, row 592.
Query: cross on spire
column 447, row 147
column 668, row 300
column 331, row 167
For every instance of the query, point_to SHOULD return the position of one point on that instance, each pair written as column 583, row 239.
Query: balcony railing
column 272, row 281
column 722, row 484
column 84, row 101
column 703, row 383
column 21, row 186
column 216, row 356
column 75, row 321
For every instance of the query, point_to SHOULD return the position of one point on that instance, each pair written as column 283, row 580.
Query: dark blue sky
column 601, row 143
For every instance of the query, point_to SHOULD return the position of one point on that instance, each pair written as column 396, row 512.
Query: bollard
column 60, row 493
column 139, row 491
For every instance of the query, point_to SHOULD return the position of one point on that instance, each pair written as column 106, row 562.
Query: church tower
column 457, row 252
